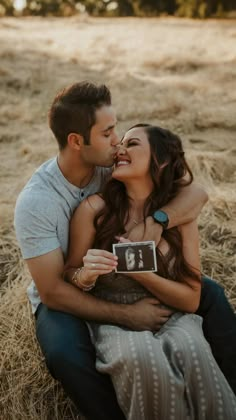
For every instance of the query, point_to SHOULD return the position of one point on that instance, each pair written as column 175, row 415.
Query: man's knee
column 59, row 359
column 211, row 287
column 65, row 342
column 217, row 312
column 212, row 292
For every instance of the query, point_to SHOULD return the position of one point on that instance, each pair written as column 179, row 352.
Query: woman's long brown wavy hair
column 166, row 149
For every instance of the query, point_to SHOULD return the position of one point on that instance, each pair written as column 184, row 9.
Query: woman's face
column 133, row 156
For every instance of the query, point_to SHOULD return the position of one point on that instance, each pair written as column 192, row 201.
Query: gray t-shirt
column 43, row 212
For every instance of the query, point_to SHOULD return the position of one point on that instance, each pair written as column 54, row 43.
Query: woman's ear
column 75, row 141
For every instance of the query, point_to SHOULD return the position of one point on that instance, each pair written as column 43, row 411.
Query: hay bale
column 27, row 391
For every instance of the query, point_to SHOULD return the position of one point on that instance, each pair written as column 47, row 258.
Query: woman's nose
column 121, row 150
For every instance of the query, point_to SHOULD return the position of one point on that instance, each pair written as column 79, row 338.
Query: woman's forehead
column 136, row 133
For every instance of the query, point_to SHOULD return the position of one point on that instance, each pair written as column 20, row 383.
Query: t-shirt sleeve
column 36, row 224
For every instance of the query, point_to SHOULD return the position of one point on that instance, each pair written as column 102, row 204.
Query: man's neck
column 75, row 170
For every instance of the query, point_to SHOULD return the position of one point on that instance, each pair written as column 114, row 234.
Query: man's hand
column 147, row 314
column 151, row 232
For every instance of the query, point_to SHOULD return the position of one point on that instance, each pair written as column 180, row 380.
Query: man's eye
column 131, row 143
column 107, row 135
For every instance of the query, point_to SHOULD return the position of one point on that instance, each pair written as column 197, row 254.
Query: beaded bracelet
column 76, row 279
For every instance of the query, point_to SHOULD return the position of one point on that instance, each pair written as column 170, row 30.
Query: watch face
column 161, row 216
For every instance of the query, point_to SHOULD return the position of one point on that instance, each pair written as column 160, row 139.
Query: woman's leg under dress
column 169, row 375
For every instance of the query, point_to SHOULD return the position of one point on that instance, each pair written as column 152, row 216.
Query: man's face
column 103, row 139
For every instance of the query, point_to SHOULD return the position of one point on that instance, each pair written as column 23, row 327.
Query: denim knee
column 217, row 312
column 211, row 293
column 57, row 359
column 212, row 286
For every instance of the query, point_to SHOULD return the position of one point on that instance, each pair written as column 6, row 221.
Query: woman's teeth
column 122, row 162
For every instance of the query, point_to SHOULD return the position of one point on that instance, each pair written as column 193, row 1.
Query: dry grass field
column 180, row 74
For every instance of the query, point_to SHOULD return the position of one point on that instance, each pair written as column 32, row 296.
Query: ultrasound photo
column 135, row 256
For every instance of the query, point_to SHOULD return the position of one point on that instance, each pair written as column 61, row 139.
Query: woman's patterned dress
column 166, row 375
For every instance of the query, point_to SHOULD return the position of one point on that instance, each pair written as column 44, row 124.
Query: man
column 83, row 122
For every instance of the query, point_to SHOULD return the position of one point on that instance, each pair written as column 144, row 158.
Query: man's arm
column 184, row 208
column 47, row 272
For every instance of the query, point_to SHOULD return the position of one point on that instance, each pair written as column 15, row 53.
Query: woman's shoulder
column 93, row 203
column 89, row 208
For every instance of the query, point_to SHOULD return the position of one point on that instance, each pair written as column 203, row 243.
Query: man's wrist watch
column 161, row 217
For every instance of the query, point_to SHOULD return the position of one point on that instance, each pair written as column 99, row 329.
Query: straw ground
column 180, row 74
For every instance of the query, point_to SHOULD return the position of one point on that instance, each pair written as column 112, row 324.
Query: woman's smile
column 120, row 161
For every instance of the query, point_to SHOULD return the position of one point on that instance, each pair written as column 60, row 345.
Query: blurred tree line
column 187, row 8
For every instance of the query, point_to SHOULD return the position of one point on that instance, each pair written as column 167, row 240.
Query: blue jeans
column 219, row 327
column 70, row 355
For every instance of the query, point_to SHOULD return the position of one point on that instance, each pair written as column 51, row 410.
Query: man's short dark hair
column 73, row 110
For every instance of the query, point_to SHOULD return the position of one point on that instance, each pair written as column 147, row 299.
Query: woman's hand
column 97, row 262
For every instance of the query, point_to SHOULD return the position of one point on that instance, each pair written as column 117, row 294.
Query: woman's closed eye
column 132, row 143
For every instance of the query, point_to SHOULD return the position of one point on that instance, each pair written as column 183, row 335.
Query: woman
column 169, row 374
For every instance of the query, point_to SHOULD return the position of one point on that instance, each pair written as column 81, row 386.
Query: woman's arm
column 82, row 234
column 183, row 296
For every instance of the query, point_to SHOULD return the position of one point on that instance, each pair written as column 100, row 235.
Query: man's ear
column 75, row 141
